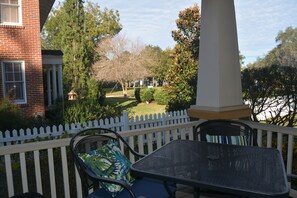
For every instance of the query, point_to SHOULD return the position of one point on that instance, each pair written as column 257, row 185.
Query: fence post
column 164, row 119
column 1, row 139
column 125, row 121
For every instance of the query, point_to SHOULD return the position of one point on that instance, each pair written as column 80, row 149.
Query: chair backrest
column 86, row 142
column 225, row 132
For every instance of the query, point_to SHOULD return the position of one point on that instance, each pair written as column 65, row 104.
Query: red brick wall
column 23, row 43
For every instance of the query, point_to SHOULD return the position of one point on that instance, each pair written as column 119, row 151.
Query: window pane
column 14, row 91
column 17, row 67
column 9, row 77
column 9, row 89
column 17, row 76
column 4, row 1
column 18, row 91
column 9, row 14
column 8, row 67
column 14, row 15
column 16, row 2
column 17, row 72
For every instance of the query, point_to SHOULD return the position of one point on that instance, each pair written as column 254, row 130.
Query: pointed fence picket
column 122, row 123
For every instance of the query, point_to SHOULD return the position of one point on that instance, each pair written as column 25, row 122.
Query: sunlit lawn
column 143, row 109
column 131, row 105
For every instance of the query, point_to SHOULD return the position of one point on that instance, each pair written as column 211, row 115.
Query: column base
column 212, row 113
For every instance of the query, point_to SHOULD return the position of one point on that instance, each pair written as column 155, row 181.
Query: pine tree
column 76, row 59
column 76, row 27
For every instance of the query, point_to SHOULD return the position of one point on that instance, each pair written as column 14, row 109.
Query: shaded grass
column 133, row 107
column 121, row 101
column 119, row 93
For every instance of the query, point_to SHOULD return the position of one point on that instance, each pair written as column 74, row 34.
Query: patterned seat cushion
column 108, row 161
column 234, row 140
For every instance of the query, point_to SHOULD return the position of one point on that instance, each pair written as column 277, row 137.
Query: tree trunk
column 124, row 86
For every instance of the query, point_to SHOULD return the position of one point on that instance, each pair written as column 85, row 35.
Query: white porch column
column 54, row 74
column 49, row 93
column 60, row 81
column 219, row 92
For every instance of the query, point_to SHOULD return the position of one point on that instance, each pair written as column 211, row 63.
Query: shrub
column 95, row 90
column 54, row 114
column 84, row 110
column 147, row 95
column 137, row 94
column 11, row 116
column 161, row 97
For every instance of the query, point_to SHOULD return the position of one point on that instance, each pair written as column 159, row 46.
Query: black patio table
column 240, row 170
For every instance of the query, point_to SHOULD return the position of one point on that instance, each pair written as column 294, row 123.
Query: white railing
column 47, row 168
column 118, row 124
column 277, row 137
column 54, row 154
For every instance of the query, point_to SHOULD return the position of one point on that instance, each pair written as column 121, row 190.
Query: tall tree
column 182, row 75
column 75, row 47
column 188, row 33
column 284, row 54
column 272, row 93
column 121, row 60
column 269, row 84
column 76, row 30
column 158, row 63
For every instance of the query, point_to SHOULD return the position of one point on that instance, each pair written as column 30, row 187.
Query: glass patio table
column 240, row 170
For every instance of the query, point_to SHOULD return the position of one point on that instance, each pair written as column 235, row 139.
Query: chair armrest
column 291, row 176
column 136, row 153
column 128, row 146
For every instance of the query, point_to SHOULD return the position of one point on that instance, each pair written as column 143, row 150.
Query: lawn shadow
column 124, row 103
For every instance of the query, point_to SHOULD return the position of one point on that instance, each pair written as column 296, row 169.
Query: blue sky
column 258, row 22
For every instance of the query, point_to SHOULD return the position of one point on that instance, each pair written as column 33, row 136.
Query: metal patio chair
column 103, row 167
column 225, row 132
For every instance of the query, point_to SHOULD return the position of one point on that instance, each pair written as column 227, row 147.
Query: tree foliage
column 284, row 54
column 76, row 30
column 188, row 33
column 272, row 91
column 270, row 83
column 182, row 74
column 159, row 62
column 122, row 61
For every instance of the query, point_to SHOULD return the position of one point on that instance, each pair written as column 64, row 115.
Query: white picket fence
column 123, row 123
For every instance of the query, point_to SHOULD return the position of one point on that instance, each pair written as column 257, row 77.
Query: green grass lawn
column 133, row 107
column 143, row 109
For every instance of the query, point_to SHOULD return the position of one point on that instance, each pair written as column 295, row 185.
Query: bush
column 137, row 94
column 11, row 116
column 177, row 105
column 95, row 91
column 54, row 114
column 161, row 97
column 147, row 95
column 84, row 110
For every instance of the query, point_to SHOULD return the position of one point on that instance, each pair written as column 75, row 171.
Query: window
column 10, row 12
column 13, row 73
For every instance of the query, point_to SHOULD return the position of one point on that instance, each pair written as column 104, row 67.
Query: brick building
column 21, row 57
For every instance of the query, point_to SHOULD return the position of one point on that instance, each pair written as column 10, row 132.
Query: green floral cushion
column 108, row 161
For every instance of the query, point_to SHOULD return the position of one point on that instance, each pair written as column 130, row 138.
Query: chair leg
column 171, row 194
column 196, row 192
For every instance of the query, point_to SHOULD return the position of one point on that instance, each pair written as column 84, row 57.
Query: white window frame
column 20, row 16
column 20, row 101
